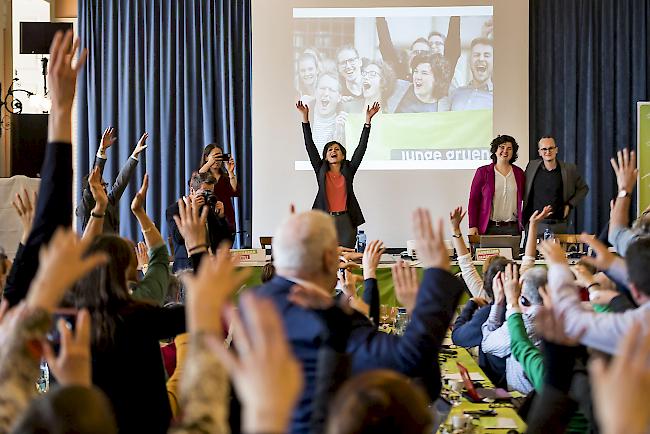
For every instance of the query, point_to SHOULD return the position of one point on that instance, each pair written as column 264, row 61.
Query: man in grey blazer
column 550, row 181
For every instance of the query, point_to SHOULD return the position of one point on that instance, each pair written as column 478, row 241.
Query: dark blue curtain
column 178, row 69
column 589, row 66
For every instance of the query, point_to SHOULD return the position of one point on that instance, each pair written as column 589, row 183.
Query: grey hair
column 301, row 240
column 532, row 280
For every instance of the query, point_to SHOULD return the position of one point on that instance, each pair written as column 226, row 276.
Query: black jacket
column 348, row 169
column 574, row 188
column 112, row 218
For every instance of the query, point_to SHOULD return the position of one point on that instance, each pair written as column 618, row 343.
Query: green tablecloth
column 486, row 423
column 384, row 281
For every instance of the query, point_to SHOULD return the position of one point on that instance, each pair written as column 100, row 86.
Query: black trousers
column 493, row 229
column 345, row 231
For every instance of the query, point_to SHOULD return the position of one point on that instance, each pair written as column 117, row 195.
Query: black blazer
column 348, row 169
column 574, row 188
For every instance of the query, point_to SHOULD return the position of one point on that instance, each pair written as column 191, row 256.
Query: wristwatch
column 623, row 193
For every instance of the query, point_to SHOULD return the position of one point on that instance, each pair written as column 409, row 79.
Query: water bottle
column 361, row 241
column 43, row 382
column 401, row 321
column 548, row 235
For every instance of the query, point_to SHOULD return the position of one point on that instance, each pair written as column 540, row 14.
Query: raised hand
column 141, row 145
column 372, row 111
column 97, row 189
column 371, row 256
column 405, row 280
column 511, row 286
column 25, row 208
column 219, row 209
column 209, row 290
column 72, row 367
column 108, row 138
column 497, row 288
column 539, row 216
column 456, row 217
column 265, row 373
column 62, row 73
column 603, row 259
column 230, row 166
column 140, row 198
column 142, row 255
column 551, row 327
column 304, row 111
column 553, row 252
column 64, row 257
column 191, row 224
column 621, row 390
column 625, row 168
column 430, row 243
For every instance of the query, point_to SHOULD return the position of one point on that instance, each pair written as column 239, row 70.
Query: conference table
column 506, row 418
column 384, row 276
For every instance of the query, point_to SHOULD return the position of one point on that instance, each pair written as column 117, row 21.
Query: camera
column 209, row 197
column 223, row 157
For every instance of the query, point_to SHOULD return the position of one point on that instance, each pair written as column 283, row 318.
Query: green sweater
column 154, row 285
column 532, row 360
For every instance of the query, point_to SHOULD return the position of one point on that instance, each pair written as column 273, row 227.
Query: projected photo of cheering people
column 430, row 68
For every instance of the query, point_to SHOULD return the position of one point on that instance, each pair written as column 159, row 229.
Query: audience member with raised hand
column 265, row 374
column 25, row 325
column 347, row 284
column 479, row 287
column 621, row 390
column 620, row 235
column 142, row 255
column 127, row 363
column 204, row 384
column 305, row 253
column 95, row 224
column 111, row 219
column 530, row 250
column 25, row 207
column 522, row 301
column 370, row 260
column 602, row 331
column 405, row 280
column 54, row 206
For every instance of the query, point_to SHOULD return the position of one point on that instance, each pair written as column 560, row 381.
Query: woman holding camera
column 222, row 167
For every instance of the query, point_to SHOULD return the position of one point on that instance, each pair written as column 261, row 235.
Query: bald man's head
column 305, row 245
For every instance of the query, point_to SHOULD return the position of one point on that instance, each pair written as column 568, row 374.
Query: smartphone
column 69, row 315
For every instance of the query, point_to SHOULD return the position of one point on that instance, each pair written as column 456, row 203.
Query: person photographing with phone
column 222, row 167
column 201, row 195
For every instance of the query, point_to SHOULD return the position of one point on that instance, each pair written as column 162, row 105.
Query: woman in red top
column 335, row 174
column 226, row 187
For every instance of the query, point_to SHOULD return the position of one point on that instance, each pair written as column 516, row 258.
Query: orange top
column 337, row 192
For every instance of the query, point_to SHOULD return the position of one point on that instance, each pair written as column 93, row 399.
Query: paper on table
column 474, row 376
column 498, row 423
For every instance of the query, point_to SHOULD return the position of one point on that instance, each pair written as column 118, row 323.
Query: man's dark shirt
column 547, row 190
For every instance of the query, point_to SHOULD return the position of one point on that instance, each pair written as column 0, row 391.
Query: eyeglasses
column 370, row 74
column 551, row 149
column 524, row 301
column 348, row 61
column 418, row 52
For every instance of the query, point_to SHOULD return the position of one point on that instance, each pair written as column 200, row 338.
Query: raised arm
column 126, row 172
column 626, row 176
column 108, row 139
column 312, row 151
column 95, row 224
column 452, row 43
column 156, row 280
column 355, row 162
column 54, row 207
column 530, row 251
column 387, row 49
column 471, row 276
